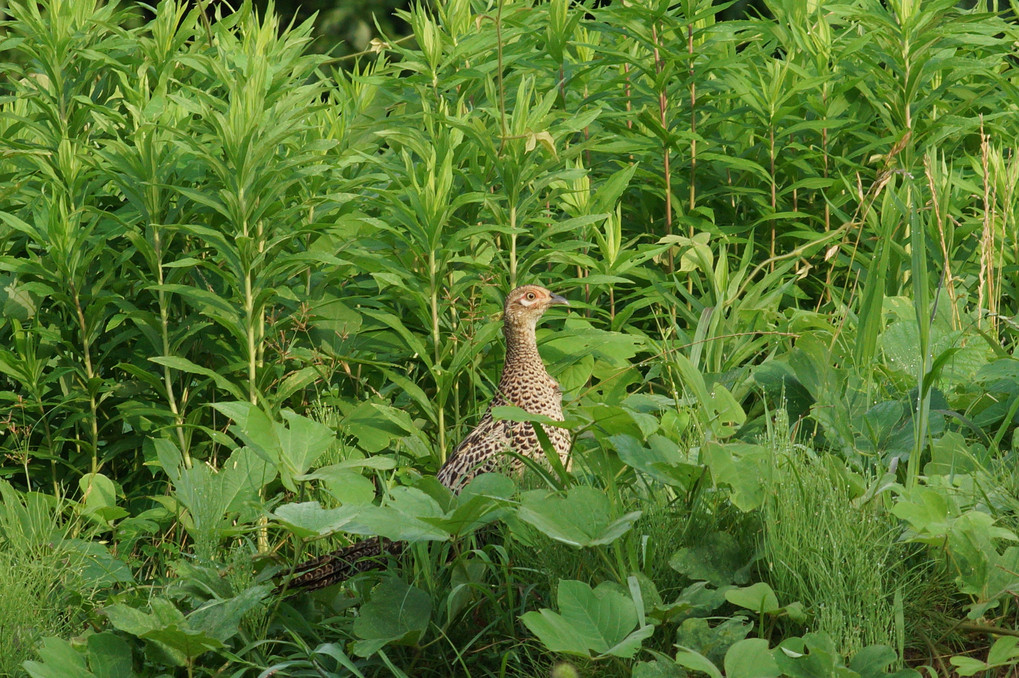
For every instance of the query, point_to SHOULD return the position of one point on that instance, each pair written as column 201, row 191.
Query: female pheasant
column 526, row 384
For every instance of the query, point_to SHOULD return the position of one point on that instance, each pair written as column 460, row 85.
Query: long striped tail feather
column 340, row 565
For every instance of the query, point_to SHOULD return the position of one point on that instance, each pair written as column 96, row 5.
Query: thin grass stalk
column 986, row 295
column 261, row 316
column 164, row 331
column 628, row 97
column 90, row 376
column 796, row 191
column 249, row 314
column 249, row 311
column 503, row 138
column 663, row 105
column 513, row 245
column 924, row 318
column 48, row 433
column 774, row 187
column 943, row 241
column 24, row 341
column 824, row 169
column 433, row 283
column 498, row 75
column 693, row 123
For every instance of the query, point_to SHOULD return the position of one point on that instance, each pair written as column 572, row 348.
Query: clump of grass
column 37, row 604
column 835, row 557
column 842, row 557
column 41, row 589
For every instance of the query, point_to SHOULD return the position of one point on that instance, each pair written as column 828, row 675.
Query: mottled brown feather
column 524, row 383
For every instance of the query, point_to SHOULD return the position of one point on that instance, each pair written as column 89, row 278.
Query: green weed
column 827, row 545
column 236, row 282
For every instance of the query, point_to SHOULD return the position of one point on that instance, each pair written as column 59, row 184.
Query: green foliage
column 49, row 578
column 602, row 620
column 1003, row 653
column 827, row 543
column 250, row 305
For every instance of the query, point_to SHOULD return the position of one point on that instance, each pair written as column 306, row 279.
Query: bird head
column 526, row 304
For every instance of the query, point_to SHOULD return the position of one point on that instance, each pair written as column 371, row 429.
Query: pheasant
column 526, row 384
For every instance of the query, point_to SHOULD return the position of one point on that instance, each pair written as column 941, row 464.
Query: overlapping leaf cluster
column 250, row 298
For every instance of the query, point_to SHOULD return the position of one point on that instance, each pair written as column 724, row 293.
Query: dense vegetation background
column 250, row 302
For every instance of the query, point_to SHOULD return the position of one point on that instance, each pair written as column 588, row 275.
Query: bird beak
column 557, row 300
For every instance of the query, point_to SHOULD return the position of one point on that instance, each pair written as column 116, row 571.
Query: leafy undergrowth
column 250, row 303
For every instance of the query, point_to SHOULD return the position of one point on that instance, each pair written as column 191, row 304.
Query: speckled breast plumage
column 529, row 387
column 490, row 446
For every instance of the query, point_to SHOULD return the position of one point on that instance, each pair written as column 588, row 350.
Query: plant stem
column 663, row 104
column 513, row 245
column 164, row 325
column 89, row 376
column 693, row 124
column 437, row 348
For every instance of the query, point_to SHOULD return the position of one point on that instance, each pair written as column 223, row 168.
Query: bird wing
column 480, row 451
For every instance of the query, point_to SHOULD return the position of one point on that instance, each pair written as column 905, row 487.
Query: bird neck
column 521, row 349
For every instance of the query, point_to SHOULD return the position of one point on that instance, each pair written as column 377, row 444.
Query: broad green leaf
column 579, row 337
column 333, row 321
column 396, row 614
column 745, row 468
column 696, row 634
column 198, row 490
column 583, row 517
column 412, row 341
column 406, row 517
column 872, row 660
column 347, row 487
column 968, row 666
column 253, row 426
column 557, row 633
column 386, row 521
column 659, row 668
column 1004, row 651
column 99, row 497
column 951, row 455
column 926, row 511
column 480, row 502
column 715, row 557
column 376, row 426
column 221, row 618
column 99, row 567
column 718, row 409
column 185, row 365
column 169, row 456
column 602, row 621
column 243, row 475
column 16, row 302
column 309, row 519
column 697, row 662
column 660, row 458
column 59, row 659
column 185, row 641
column 165, row 626
column 302, row 441
column 757, row 598
column 132, row 620
column 812, row 655
column 109, row 656
column 750, row 658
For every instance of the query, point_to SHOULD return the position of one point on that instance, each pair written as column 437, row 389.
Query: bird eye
column 530, row 295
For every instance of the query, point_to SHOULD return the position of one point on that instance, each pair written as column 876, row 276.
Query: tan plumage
column 526, row 384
